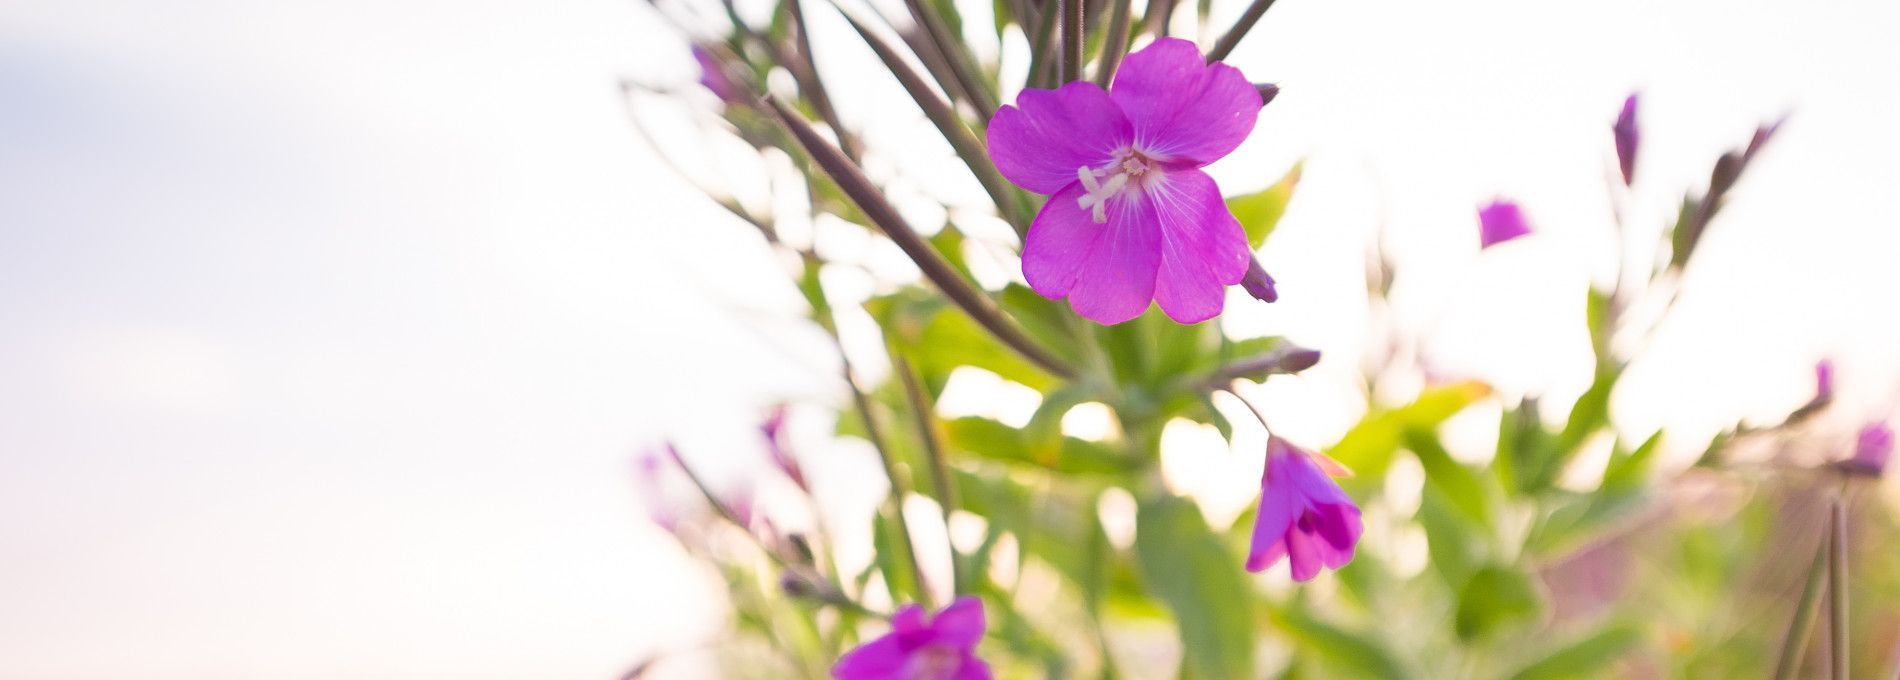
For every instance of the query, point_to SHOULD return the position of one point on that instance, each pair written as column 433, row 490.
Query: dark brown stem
column 1071, row 11
column 882, row 214
column 1225, row 45
column 962, row 65
column 1115, row 43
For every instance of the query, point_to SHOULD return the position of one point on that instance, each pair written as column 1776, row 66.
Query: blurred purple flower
column 941, row 648
column 648, row 467
column 712, row 75
column 1823, row 380
column 1303, row 516
column 1872, row 449
column 1500, row 221
column 1131, row 217
column 1627, row 138
column 774, row 429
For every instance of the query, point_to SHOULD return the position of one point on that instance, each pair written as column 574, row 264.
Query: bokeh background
column 328, row 330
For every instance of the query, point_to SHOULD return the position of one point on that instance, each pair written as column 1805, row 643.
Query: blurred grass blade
column 1585, row 658
column 880, row 212
column 1803, row 623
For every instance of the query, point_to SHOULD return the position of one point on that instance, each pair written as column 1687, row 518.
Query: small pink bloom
column 940, row 648
column 1303, row 516
column 1500, row 221
column 1627, row 137
column 1872, row 448
column 713, row 76
column 1131, row 218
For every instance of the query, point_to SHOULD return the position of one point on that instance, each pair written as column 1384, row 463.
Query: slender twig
column 1042, row 51
column 810, row 83
column 941, row 483
column 961, row 139
column 1115, row 43
column 852, row 181
column 961, row 64
column 1796, row 641
column 1071, row 11
column 1232, row 37
column 1837, row 586
column 894, row 502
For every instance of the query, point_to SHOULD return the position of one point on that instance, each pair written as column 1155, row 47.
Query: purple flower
column 1627, row 137
column 1823, row 381
column 1304, row 516
column 713, row 76
column 773, row 428
column 942, row 648
column 1872, row 449
column 1131, row 217
column 1500, row 221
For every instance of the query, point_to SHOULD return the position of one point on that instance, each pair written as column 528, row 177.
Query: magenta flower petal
column 1039, row 142
column 713, row 76
column 1183, row 107
column 1304, row 516
column 1060, row 240
column 1203, row 248
column 1117, row 277
column 917, row 648
column 1872, row 448
column 1627, row 137
column 1499, row 222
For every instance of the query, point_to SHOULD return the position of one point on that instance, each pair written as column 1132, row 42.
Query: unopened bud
column 1871, row 450
column 1627, row 137
column 1267, row 92
column 1258, row 284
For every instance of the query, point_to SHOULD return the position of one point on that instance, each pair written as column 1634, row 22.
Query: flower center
column 1103, row 183
column 932, row 663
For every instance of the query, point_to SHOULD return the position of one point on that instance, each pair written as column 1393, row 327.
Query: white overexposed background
column 328, row 330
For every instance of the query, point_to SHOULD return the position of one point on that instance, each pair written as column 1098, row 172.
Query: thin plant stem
column 1225, row 45
column 1837, row 586
column 942, row 484
column 1042, row 50
column 961, row 139
column 1796, row 641
column 1071, row 11
column 894, row 501
column 1156, row 19
column 973, row 302
column 962, row 65
column 1115, row 43
column 811, row 83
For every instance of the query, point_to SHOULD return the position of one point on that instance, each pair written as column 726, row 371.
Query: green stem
column 1803, row 624
column 940, row 481
column 1837, row 586
column 1071, row 11
column 1115, row 43
column 894, row 502
column 961, row 64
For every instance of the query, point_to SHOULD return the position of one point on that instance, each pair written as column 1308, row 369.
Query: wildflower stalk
column 808, row 81
column 1803, row 624
column 1071, row 11
column 941, row 484
column 1040, row 51
column 1115, row 43
column 1837, row 586
column 1225, row 45
column 961, row 64
column 894, row 501
column 1156, row 19
column 961, row 139
column 852, row 181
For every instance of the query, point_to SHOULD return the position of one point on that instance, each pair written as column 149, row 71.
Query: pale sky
column 328, row 328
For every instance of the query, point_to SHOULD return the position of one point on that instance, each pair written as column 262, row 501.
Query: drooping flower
column 774, row 429
column 1131, row 218
column 1627, row 138
column 1304, row 516
column 1871, row 449
column 1500, row 221
column 942, row 647
column 713, row 76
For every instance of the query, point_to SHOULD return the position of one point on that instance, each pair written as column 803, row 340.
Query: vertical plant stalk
column 962, row 64
column 1042, row 51
column 1225, row 45
column 1071, row 11
column 961, row 139
column 1156, row 19
column 1114, row 43
column 940, row 481
column 1803, row 624
column 810, row 83
column 1837, row 586
column 973, row 302
column 894, row 502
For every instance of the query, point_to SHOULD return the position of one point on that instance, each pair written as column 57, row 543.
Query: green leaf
column 1368, row 447
column 1186, row 565
column 1494, row 599
column 1260, row 212
column 990, row 439
column 1628, row 472
column 1460, row 484
column 1589, row 657
column 1361, row 654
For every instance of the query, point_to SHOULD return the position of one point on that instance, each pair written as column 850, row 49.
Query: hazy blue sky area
column 328, row 329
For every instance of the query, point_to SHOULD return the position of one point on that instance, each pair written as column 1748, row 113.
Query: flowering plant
column 1043, row 547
